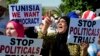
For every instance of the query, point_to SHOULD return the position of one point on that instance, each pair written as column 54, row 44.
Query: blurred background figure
column 93, row 48
column 1, row 33
column 88, row 15
column 3, row 18
column 84, row 47
column 74, row 14
column 2, row 10
column 97, row 17
column 98, row 53
column 31, row 32
column 41, row 25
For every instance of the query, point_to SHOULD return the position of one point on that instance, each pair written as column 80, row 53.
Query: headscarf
column 64, row 35
column 18, row 27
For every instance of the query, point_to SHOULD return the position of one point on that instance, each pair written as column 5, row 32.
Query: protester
column 88, row 15
column 93, row 48
column 97, row 17
column 98, row 53
column 84, row 47
column 59, row 47
column 14, row 29
column 40, row 26
column 3, row 19
column 74, row 14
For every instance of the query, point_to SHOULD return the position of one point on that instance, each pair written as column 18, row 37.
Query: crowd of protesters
column 55, row 44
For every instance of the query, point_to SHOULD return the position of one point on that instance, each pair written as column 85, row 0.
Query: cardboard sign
column 83, row 30
column 20, row 47
column 28, row 14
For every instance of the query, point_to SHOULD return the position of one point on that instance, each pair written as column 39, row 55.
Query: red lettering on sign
column 16, row 14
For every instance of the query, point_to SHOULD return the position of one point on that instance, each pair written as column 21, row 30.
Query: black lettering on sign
column 18, row 41
column 25, row 8
column 75, row 38
column 80, row 23
column 31, row 42
column 29, row 20
column 86, row 23
column 24, row 42
column 12, row 41
column 79, row 39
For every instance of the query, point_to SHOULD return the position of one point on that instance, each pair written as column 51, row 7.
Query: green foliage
column 11, row 2
column 70, row 5
column 43, row 11
column 58, row 12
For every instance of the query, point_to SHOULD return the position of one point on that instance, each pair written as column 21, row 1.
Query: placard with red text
column 20, row 47
column 28, row 14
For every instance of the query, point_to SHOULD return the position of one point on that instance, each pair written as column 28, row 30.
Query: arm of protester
column 84, row 48
column 47, row 23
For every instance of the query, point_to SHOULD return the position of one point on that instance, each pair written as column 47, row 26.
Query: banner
column 28, row 14
column 83, row 30
column 20, row 47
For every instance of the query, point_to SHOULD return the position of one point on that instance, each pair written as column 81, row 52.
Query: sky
column 54, row 3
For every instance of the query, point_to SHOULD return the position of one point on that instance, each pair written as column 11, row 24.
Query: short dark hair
column 30, row 32
column 1, row 33
column 2, row 10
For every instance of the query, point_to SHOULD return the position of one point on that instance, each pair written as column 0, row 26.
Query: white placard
column 20, row 47
column 28, row 14
column 83, row 30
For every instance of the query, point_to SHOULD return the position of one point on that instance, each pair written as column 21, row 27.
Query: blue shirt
column 92, row 50
column 72, row 15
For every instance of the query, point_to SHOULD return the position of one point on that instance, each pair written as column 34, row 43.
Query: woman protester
column 58, row 46
column 56, row 43
column 15, row 29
